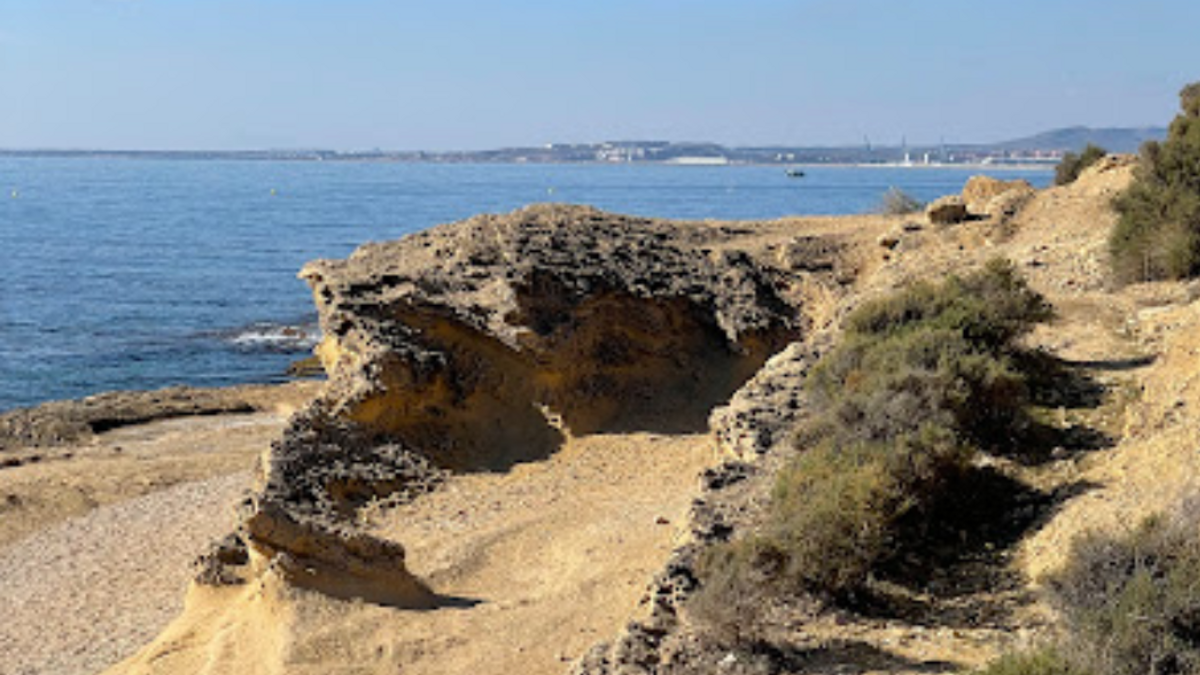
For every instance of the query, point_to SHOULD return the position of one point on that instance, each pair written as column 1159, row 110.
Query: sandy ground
column 96, row 540
column 534, row 566
column 556, row 554
column 81, row 595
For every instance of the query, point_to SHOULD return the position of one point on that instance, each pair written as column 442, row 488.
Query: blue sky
column 466, row 74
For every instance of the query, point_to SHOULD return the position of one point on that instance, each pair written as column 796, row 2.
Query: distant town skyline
column 472, row 75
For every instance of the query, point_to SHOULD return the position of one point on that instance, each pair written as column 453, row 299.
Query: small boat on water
column 794, row 173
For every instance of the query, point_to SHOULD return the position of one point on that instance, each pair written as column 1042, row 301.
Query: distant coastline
column 1007, row 164
column 1041, row 150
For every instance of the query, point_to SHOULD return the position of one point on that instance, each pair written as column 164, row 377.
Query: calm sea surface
column 136, row 274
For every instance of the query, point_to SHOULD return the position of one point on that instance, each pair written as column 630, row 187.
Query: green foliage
column 1072, row 164
column 991, row 308
column 920, row 381
column 1157, row 235
column 1042, row 662
column 897, row 202
column 936, row 353
column 1132, row 603
column 836, row 508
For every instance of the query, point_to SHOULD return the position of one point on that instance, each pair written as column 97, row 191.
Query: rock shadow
column 1114, row 365
column 830, row 656
column 956, row 572
column 855, row 656
column 1058, row 390
column 612, row 363
column 620, row 364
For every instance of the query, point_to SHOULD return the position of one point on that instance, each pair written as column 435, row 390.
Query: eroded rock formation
column 947, row 210
column 479, row 344
column 991, row 197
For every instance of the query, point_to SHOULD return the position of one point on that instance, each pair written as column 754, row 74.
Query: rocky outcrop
column 479, row 344
column 1110, row 163
column 989, row 197
column 461, row 339
column 947, row 210
column 63, row 422
column 982, row 197
column 765, row 411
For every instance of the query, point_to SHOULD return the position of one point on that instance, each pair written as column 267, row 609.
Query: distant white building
column 699, row 161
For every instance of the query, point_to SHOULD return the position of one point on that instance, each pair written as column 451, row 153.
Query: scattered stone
column 947, row 210
column 990, row 197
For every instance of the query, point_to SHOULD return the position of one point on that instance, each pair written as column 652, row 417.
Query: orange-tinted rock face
column 477, row 345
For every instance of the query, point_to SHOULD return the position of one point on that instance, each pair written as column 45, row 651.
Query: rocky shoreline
column 487, row 348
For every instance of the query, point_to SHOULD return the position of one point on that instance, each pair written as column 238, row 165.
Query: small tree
column 1072, row 164
column 1157, row 235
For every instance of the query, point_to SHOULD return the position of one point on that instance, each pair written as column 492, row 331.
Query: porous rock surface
column 479, row 344
column 991, row 197
column 947, row 210
column 766, row 409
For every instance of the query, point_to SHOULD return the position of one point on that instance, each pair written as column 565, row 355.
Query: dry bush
column 1047, row 661
column 836, row 510
column 740, row 580
column 1131, row 603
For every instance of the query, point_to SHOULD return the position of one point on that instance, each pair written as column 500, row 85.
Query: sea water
column 137, row 274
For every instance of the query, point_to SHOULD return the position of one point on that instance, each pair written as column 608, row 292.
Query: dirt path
column 555, row 554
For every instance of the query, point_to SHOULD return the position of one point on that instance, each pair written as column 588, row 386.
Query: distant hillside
column 1043, row 147
column 1076, row 138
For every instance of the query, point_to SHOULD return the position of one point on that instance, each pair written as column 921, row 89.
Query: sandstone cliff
column 477, row 345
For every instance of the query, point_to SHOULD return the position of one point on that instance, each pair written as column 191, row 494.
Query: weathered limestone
column 479, row 344
column 947, row 210
column 988, row 197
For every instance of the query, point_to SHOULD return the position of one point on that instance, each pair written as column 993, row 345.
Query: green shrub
column 1132, row 603
column 920, row 380
column 1072, row 165
column 1042, row 662
column 836, row 509
column 1157, row 235
column 936, row 353
column 991, row 308
column 897, row 202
